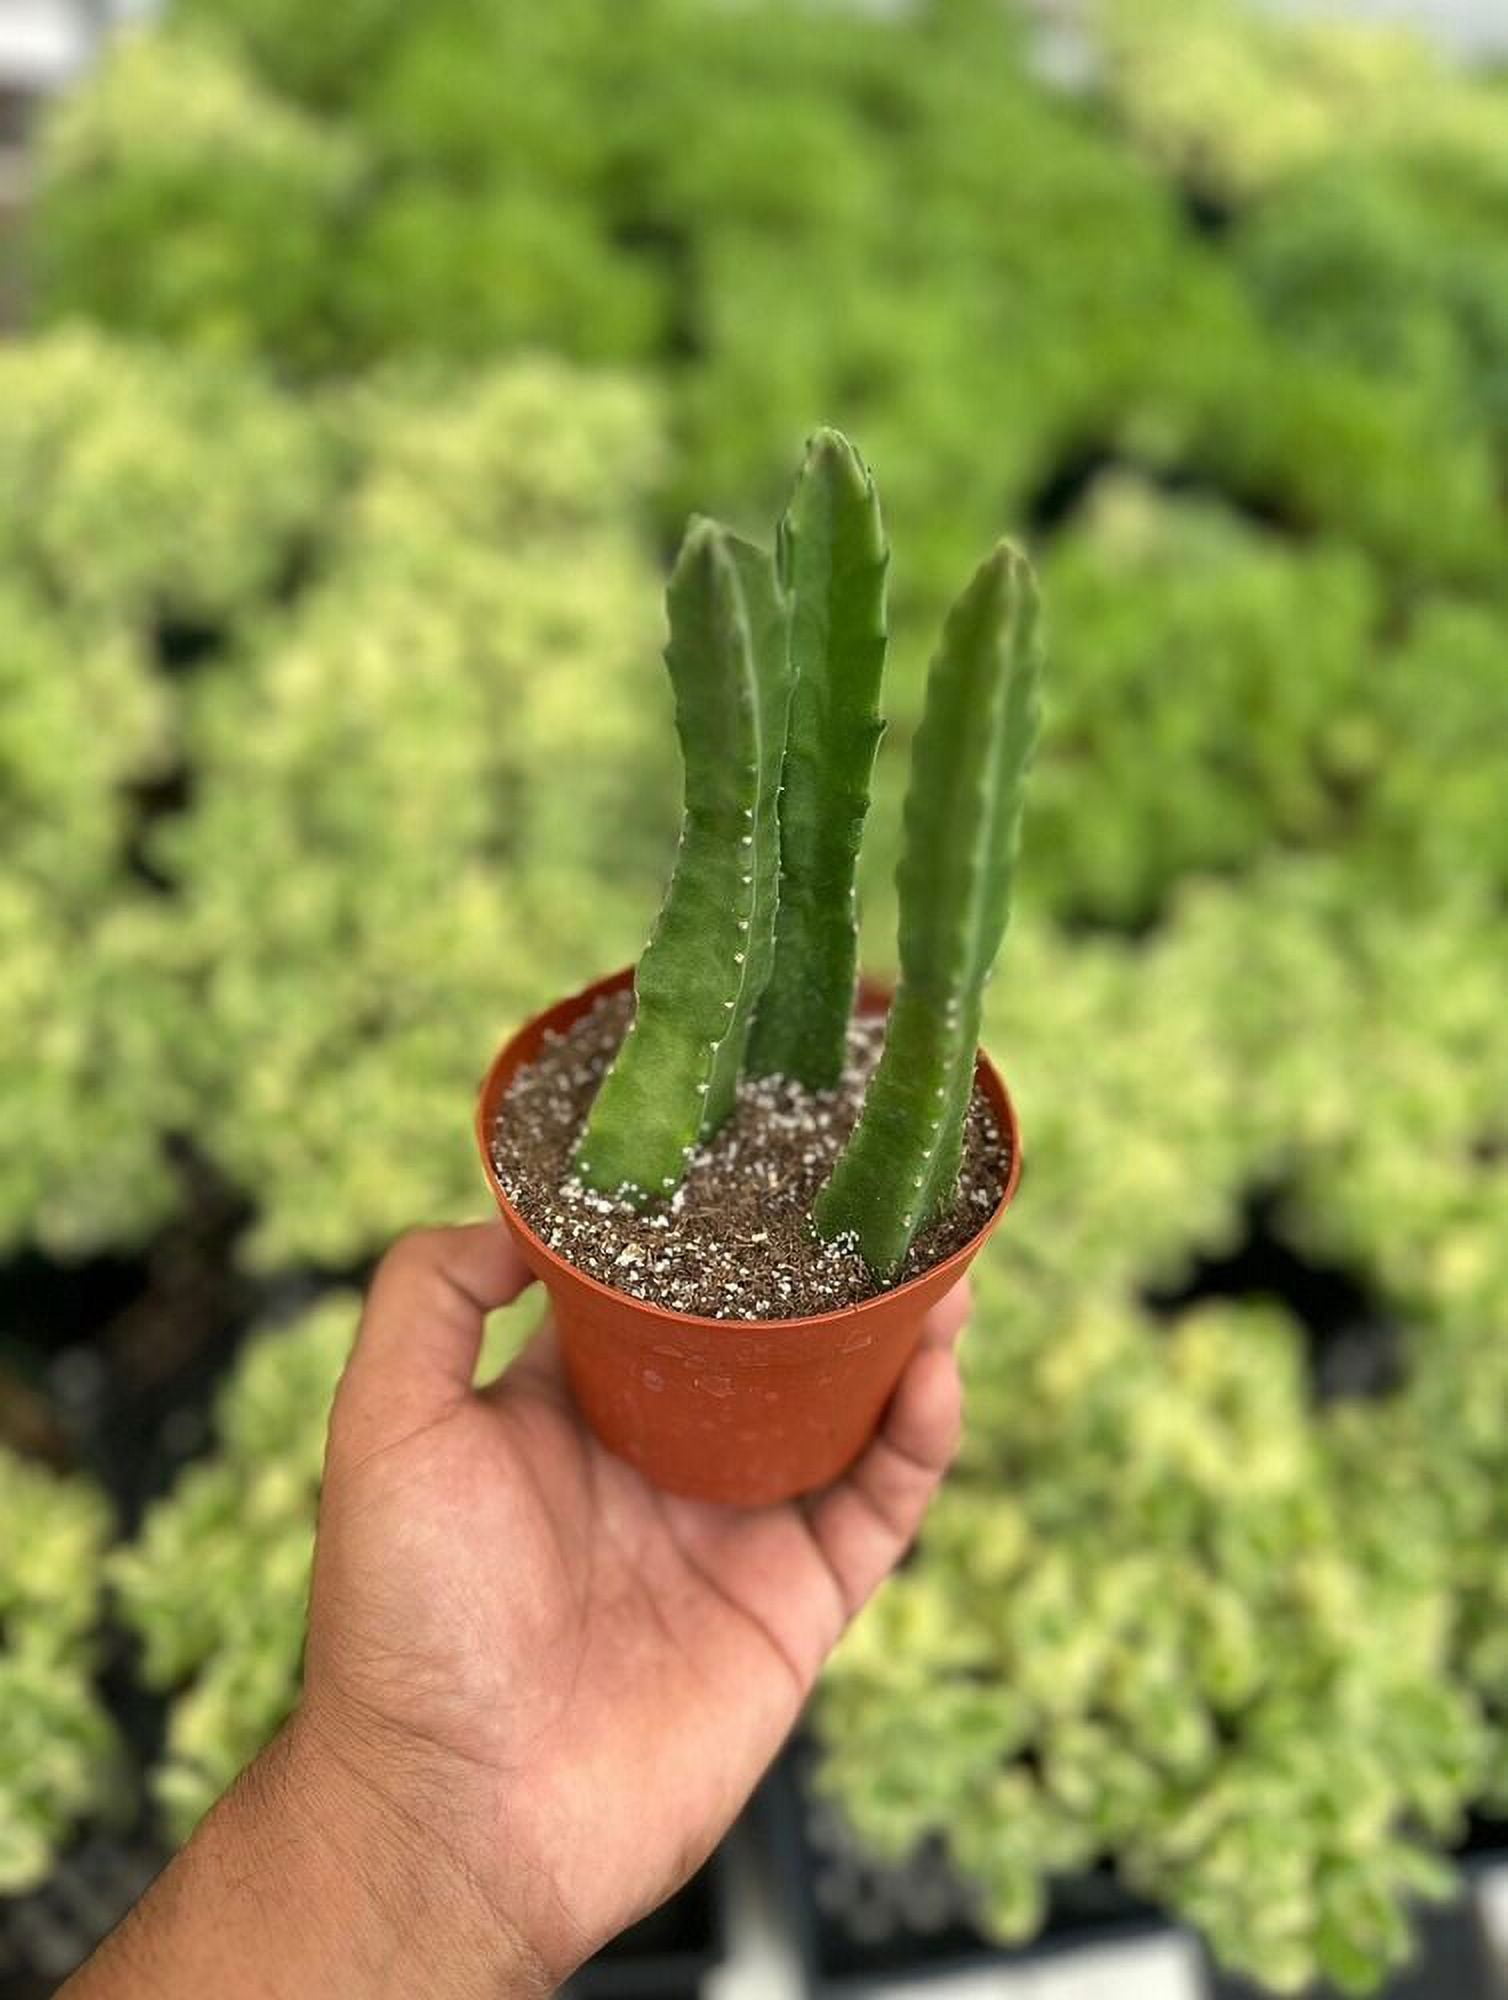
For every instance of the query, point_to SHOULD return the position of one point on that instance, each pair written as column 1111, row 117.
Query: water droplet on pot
column 713, row 1385
column 652, row 1380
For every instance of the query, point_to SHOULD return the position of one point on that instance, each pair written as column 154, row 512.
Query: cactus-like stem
column 767, row 611
column 701, row 973
column 962, row 822
column 833, row 558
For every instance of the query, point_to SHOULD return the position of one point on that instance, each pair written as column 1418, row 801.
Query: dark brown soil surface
column 735, row 1240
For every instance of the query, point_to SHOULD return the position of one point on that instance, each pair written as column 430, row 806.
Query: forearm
column 298, row 1883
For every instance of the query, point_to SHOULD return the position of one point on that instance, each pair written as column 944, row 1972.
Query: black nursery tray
column 858, row 1924
column 1485, row 1845
column 47, row 1933
column 666, row 1955
column 1450, row 1963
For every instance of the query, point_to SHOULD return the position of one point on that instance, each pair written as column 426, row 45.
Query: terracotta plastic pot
column 748, row 1411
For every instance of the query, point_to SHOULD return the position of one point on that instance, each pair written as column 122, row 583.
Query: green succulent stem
column 833, row 558
column 676, row 1073
column 962, row 824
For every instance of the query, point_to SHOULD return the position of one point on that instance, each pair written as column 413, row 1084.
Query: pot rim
column 985, row 1075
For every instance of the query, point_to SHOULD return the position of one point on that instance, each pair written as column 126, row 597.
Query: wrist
column 306, row 1878
column 382, row 1893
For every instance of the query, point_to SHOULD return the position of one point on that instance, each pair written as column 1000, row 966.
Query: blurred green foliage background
column 377, row 354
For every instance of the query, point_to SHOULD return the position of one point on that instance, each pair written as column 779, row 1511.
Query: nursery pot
column 746, row 1411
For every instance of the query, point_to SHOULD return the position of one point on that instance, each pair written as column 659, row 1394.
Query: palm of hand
column 575, row 1678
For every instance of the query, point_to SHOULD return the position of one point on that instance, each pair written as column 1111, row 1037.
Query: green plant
column 705, row 966
column 1178, row 702
column 1179, row 699
column 312, row 58
column 1398, row 272
column 83, row 993
column 216, row 1583
column 776, row 678
column 706, row 970
column 396, row 839
column 258, row 192
column 1432, row 818
column 143, row 495
column 63, row 810
column 1434, row 1460
column 777, row 215
column 90, row 1016
column 1135, row 1629
column 59, row 1759
column 963, row 817
column 1164, row 1613
column 1237, row 101
column 516, row 269
column 1233, row 348
column 833, row 558
column 1411, row 1177
column 142, row 487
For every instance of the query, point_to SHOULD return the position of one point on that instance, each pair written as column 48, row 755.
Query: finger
column 416, row 1348
column 948, row 1317
column 865, row 1523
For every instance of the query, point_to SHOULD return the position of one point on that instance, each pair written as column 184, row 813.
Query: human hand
column 537, row 1690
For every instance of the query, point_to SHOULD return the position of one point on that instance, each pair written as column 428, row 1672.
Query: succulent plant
column 833, row 558
column 709, row 958
column 761, row 909
column 963, row 818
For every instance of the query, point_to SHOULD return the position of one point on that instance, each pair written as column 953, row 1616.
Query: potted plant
column 741, row 1204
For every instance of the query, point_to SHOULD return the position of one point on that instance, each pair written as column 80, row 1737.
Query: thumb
column 421, row 1329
